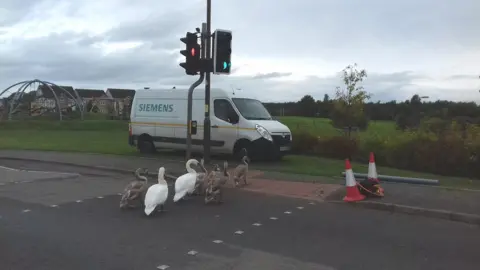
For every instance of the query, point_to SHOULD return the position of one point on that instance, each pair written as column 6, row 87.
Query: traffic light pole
column 206, row 122
column 190, row 95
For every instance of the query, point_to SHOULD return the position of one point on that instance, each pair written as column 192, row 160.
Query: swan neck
column 161, row 179
column 189, row 169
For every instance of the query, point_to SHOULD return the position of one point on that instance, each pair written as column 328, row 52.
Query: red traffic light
column 193, row 52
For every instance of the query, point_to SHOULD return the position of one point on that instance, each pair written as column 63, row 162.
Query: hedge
column 452, row 152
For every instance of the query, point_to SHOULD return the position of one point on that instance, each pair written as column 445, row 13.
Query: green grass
column 329, row 168
column 94, row 136
column 322, row 126
column 110, row 137
column 105, row 142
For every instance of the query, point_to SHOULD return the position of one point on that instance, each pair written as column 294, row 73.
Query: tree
column 326, row 98
column 410, row 115
column 348, row 106
column 307, row 106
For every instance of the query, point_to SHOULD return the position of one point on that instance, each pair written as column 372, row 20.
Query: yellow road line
column 181, row 125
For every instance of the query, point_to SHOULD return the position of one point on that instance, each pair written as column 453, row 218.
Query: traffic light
column 222, row 51
column 191, row 53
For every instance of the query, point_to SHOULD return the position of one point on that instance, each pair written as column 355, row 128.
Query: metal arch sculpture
column 14, row 103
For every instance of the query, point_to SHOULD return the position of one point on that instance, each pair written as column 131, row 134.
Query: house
column 98, row 99
column 45, row 99
column 122, row 100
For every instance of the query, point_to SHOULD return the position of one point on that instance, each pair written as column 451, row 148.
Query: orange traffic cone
column 353, row 194
column 372, row 169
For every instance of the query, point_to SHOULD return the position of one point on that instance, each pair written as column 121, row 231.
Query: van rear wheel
column 146, row 146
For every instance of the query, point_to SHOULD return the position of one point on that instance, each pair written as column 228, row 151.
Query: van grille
column 281, row 140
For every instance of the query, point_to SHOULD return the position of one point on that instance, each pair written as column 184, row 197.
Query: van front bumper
column 264, row 148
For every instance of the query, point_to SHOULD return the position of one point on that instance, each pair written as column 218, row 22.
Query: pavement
column 173, row 164
column 74, row 223
column 436, row 202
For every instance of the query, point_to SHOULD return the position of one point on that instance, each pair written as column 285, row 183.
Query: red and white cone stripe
column 353, row 194
column 372, row 169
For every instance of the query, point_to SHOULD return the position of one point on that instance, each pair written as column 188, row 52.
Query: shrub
column 339, row 147
column 342, row 119
column 435, row 125
column 303, row 142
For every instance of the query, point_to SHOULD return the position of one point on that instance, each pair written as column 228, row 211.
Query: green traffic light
column 225, row 65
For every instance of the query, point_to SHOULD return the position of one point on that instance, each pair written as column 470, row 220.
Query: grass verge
column 110, row 137
column 327, row 169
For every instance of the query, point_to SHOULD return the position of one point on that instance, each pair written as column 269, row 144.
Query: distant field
column 322, row 126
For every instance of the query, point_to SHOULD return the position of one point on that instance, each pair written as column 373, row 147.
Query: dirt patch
column 311, row 191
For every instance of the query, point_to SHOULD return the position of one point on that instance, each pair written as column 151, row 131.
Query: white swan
column 185, row 184
column 156, row 194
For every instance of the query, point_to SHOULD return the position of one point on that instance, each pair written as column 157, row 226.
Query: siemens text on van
column 155, row 108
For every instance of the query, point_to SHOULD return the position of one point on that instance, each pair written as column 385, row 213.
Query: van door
column 224, row 126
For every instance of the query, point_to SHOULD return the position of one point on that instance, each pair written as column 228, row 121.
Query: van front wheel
column 238, row 151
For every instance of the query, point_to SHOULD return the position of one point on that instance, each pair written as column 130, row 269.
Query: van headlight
column 263, row 132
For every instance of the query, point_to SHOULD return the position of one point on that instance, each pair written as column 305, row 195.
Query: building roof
column 121, row 93
column 46, row 93
column 90, row 93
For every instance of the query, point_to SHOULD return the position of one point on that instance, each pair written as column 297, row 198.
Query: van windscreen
column 251, row 109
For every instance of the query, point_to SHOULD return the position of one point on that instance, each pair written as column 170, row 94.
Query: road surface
column 72, row 221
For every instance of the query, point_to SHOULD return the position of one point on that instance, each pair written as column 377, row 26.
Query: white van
column 159, row 120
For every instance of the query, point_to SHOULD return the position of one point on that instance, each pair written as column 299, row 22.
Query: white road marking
column 311, row 203
column 100, row 197
column 273, row 218
column 217, row 241
column 239, row 232
column 120, row 194
column 53, row 205
column 78, row 201
column 26, row 211
column 192, row 252
column 300, row 207
column 257, row 224
column 217, row 216
column 163, row 267
column 8, row 168
column 287, row 212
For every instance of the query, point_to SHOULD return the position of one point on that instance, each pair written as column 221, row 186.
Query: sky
column 282, row 50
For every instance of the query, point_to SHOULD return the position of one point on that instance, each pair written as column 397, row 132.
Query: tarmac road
column 75, row 223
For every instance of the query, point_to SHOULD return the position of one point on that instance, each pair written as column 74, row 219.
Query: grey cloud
column 385, row 87
column 338, row 30
column 70, row 57
column 161, row 30
column 13, row 11
column 335, row 32
column 463, row 77
column 272, row 75
column 395, row 76
column 51, row 58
